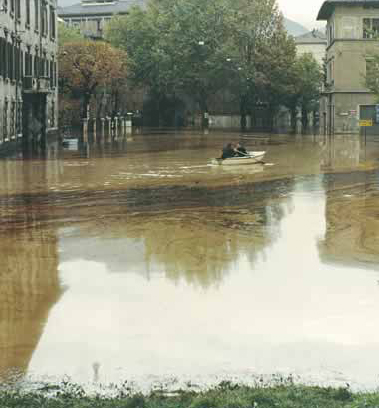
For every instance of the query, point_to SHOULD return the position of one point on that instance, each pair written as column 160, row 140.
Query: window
column 5, row 120
column 52, row 23
column 370, row 27
column 36, row 14
column 27, row 13
column 13, row 121
column 52, row 120
column 18, row 9
column 330, row 72
column 28, row 62
column 12, row 6
column 19, row 119
column 51, row 74
column 44, row 23
column 349, row 27
column 330, row 33
column 3, row 59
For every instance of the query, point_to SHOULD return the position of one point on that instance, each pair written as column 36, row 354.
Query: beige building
column 313, row 43
column 350, row 43
column 28, row 70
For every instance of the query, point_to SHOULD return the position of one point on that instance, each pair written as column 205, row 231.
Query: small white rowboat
column 250, row 158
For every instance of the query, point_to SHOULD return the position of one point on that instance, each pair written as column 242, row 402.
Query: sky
column 302, row 11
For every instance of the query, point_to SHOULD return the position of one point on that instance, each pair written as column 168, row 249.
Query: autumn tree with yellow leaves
column 86, row 66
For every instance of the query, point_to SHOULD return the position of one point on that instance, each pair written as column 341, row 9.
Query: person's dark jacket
column 241, row 151
column 228, row 151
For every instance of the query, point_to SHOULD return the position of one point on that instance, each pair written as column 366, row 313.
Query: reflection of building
column 29, row 284
column 28, row 69
column 352, row 225
column 350, row 29
column 91, row 16
column 29, row 287
column 313, row 43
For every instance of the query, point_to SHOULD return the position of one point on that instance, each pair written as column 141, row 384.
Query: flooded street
column 137, row 260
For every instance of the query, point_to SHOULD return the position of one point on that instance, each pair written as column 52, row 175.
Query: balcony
column 29, row 84
column 43, row 84
column 36, row 85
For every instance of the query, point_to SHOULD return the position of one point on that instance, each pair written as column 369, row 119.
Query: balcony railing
column 29, row 83
column 35, row 85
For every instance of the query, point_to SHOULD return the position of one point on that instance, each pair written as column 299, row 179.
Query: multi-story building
column 91, row 16
column 28, row 69
column 313, row 43
column 352, row 28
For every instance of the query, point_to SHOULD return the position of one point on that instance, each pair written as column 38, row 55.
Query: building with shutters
column 352, row 28
column 92, row 16
column 28, row 70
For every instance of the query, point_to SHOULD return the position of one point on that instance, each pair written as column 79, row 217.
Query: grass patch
column 226, row 395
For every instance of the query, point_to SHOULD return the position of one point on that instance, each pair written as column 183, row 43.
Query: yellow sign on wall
column 367, row 122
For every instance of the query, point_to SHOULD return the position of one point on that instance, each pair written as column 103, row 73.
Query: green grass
column 226, row 395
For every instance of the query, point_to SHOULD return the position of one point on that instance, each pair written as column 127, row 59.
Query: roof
column 107, row 8
column 313, row 37
column 328, row 6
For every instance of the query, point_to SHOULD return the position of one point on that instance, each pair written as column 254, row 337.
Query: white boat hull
column 254, row 157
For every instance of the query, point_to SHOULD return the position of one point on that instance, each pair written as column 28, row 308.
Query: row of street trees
column 196, row 50
column 86, row 69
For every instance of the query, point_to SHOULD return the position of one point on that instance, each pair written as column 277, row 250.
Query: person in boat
column 240, row 150
column 228, row 151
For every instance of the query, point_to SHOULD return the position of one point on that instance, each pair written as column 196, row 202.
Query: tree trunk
column 304, row 119
column 85, row 107
column 243, row 112
column 293, row 112
column 204, row 113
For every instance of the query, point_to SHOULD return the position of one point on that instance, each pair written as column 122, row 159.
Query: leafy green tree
column 372, row 75
column 199, row 48
column 304, row 92
column 176, row 46
column 275, row 61
column 255, row 26
column 67, row 34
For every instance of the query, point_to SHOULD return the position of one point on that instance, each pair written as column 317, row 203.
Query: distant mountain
column 292, row 27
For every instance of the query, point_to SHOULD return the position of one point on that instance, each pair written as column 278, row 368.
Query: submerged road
column 137, row 260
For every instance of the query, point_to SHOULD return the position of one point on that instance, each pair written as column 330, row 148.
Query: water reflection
column 198, row 245
column 173, row 267
column 29, row 287
column 352, row 232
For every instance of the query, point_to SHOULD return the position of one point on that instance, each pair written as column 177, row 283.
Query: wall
column 346, row 62
column 32, row 52
column 317, row 50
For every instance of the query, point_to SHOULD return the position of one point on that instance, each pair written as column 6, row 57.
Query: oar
column 245, row 154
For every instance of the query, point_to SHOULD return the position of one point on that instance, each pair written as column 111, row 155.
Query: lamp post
column 203, row 106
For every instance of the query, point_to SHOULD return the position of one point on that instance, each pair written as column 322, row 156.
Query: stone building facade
column 351, row 25
column 28, row 70
column 92, row 16
column 313, row 43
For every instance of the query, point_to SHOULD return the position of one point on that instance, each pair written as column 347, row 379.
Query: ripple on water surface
column 105, row 282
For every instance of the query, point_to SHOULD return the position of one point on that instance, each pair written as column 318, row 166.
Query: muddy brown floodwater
column 137, row 260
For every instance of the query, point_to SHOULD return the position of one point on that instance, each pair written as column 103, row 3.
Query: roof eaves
column 328, row 6
column 325, row 11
